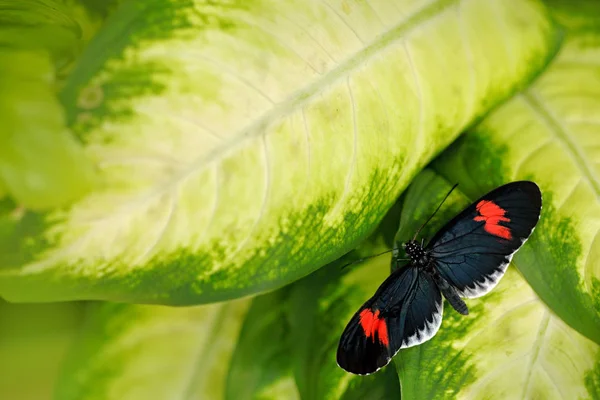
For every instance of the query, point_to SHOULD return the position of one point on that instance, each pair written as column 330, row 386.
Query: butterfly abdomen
column 450, row 294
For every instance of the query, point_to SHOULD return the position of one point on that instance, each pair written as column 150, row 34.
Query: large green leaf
column 319, row 308
column 261, row 367
column 244, row 144
column 510, row 346
column 131, row 352
column 34, row 339
column 550, row 134
column 39, row 25
column 137, row 352
column 41, row 165
column 287, row 345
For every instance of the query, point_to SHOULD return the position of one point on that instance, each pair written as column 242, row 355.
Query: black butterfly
column 466, row 258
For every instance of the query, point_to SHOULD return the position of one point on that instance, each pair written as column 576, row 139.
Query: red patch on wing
column 371, row 324
column 493, row 214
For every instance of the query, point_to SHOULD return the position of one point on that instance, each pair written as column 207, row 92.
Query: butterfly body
column 422, row 258
column 465, row 259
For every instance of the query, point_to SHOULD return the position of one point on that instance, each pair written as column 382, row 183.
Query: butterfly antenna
column 436, row 210
column 366, row 258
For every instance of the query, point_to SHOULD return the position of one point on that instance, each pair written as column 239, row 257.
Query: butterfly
column 465, row 259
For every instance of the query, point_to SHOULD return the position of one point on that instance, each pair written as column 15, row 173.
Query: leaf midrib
column 299, row 98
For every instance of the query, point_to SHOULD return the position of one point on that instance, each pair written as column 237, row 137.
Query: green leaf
column 34, row 339
column 320, row 307
column 3, row 191
column 41, row 164
column 90, row 15
column 140, row 352
column 551, row 135
column 135, row 352
column 287, row 344
column 38, row 25
column 261, row 365
column 101, row 8
column 242, row 145
column 510, row 346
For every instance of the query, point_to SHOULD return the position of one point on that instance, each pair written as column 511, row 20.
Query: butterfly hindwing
column 424, row 314
column 405, row 311
column 474, row 249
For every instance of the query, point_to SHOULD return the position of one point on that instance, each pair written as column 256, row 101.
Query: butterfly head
column 417, row 254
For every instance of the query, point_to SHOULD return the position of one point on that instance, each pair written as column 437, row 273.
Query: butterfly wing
column 474, row 249
column 405, row 311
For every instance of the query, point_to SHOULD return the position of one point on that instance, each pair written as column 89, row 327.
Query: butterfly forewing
column 474, row 249
column 405, row 311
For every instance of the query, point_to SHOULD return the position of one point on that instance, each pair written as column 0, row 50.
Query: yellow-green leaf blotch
column 244, row 144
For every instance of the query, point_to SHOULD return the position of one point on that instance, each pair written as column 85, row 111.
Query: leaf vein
column 172, row 209
column 553, row 381
column 570, row 193
column 277, row 37
column 536, row 103
column 419, row 137
column 352, row 166
column 537, row 345
column 215, row 204
column 530, row 155
column 308, row 34
column 308, row 146
column 196, row 124
column 224, row 69
column 375, row 13
column 302, row 96
column 492, row 323
column 472, row 72
column 263, row 207
column 341, row 18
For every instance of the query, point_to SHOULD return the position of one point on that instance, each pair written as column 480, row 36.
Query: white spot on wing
column 431, row 327
column 488, row 283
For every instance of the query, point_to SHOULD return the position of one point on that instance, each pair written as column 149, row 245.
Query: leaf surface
column 550, row 134
column 34, row 339
column 133, row 352
column 261, row 366
column 42, row 166
column 509, row 346
column 320, row 307
column 242, row 145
